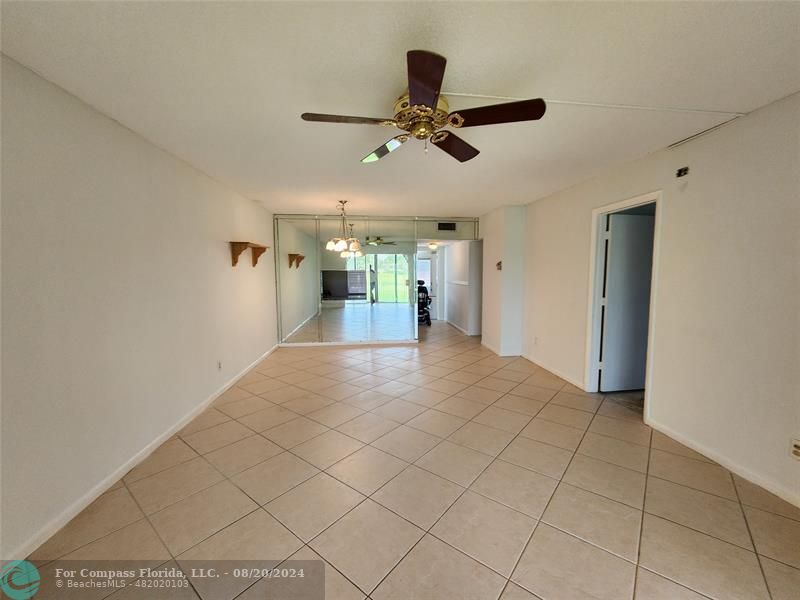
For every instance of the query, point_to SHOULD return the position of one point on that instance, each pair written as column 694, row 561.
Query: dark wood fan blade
column 390, row 146
column 425, row 74
column 320, row 118
column 457, row 148
column 511, row 112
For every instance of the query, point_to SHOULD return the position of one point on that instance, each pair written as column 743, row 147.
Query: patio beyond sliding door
column 393, row 277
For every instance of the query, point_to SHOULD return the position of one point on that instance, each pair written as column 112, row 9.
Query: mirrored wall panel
column 356, row 280
column 297, row 271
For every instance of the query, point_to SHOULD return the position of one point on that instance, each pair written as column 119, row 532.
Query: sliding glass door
column 393, row 278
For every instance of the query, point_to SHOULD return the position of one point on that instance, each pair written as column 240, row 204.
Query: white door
column 626, row 302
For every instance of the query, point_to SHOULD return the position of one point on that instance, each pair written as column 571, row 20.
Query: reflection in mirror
column 370, row 298
column 298, row 282
column 365, row 294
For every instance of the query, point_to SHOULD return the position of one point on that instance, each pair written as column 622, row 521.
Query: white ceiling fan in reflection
column 345, row 243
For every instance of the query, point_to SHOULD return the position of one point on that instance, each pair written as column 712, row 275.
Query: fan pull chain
column 426, row 145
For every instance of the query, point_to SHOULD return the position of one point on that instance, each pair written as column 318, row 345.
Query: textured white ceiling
column 222, row 86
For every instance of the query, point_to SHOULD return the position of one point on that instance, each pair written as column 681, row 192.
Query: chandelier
column 345, row 243
column 353, row 246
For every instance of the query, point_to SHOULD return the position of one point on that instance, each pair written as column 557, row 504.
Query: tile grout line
column 261, row 434
column 427, row 531
column 547, row 505
column 366, row 497
column 677, row 583
column 575, row 452
column 641, row 523
column 161, row 539
column 750, row 533
column 263, row 507
column 494, row 458
column 389, row 509
column 511, row 441
column 225, row 477
column 692, row 488
column 325, row 471
column 259, row 506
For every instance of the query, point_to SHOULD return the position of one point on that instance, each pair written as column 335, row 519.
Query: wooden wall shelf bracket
column 295, row 259
column 256, row 251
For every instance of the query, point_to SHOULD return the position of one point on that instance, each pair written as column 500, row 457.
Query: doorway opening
column 621, row 307
column 430, row 267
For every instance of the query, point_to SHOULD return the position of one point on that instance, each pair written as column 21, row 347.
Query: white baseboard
column 499, row 353
column 554, row 371
column 784, row 493
column 490, row 347
column 457, row 327
column 69, row 513
column 464, row 331
column 293, row 331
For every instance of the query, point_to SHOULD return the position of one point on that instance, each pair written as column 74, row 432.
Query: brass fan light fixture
column 344, row 242
column 423, row 113
column 378, row 241
column 353, row 246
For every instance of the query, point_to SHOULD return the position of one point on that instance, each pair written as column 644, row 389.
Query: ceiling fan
column 378, row 241
column 423, row 113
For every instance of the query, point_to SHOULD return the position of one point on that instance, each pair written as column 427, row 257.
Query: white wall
column 299, row 287
column 331, row 261
column 726, row 346
column 492, row 232
column 463, row 268
column 441, row 279
column 503, row 234
column 118, row 300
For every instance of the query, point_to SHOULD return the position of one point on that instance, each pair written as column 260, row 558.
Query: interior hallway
column 441, row 471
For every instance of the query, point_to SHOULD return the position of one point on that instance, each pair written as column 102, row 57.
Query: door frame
column 432, row 284
column 596, row 264
column 435, row 287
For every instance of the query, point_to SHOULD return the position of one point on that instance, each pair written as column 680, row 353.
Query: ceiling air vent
column 446, row 226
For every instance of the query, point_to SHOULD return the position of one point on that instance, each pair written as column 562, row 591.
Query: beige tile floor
column 359, row 321
column 443, row 472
